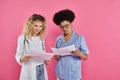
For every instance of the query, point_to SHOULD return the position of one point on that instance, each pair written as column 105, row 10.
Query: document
column 40, row 55
column 64, row 51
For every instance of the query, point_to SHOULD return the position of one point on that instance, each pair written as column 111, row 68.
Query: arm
column 57, row 57
column 20, row 51
column 82, row 51
column 25, row 58
column 47, row 61
column 43, row 46
column 80, row 54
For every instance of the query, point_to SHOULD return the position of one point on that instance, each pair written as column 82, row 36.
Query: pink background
column 97, row 20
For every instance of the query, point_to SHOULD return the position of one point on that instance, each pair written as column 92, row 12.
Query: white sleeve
column 20, row 48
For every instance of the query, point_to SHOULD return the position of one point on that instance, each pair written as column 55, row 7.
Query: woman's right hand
column 25, row 58
column 57, row 57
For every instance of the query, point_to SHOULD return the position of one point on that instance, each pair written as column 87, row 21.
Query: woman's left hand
column 77, row 52
column 80, row 54
column 47, row 62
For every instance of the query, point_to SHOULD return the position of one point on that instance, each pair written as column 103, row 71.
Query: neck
column 34, row 35
column 69, row 34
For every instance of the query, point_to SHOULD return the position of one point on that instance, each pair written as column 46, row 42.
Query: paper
column 64, row 51
column 40, row 55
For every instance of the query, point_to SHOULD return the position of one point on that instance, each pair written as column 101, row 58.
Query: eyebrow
column 65, row 25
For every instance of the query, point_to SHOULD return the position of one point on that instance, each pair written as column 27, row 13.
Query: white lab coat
column 28, row 70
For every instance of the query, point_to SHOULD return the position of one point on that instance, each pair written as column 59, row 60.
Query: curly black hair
column 62, row 15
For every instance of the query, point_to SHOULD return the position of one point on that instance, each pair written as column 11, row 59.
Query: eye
column 65, row 26
column 41, row 26
column 35, row 25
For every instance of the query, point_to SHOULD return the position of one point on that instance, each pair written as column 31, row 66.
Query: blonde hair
column 27, row 30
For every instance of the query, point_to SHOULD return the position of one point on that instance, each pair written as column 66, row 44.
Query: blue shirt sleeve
column 83, row 47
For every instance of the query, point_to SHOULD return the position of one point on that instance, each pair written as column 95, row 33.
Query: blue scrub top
column 69, row 67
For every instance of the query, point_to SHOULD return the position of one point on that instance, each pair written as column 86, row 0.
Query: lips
column 37, row 31
column 65, row 31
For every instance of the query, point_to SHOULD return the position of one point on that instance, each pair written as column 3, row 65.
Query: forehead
column 38, row 22
column 65, row 22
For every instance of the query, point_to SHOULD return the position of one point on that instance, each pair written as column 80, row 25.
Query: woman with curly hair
column 69, row 67
column 32, row 38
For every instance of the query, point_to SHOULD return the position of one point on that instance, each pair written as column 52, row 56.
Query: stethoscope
column 26, row 41
column 26, row 44
column 61, row 42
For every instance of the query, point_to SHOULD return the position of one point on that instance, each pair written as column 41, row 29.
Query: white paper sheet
column 64, row 51
column 40, row 55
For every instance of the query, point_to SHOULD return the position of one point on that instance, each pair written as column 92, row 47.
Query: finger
column 28, row 56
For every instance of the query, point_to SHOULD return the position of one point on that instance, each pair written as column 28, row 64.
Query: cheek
column 40, row 28
column 34, row 29
column 70, row 29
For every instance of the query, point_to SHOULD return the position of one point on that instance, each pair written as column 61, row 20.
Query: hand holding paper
column 64, row 51
column 41, row 55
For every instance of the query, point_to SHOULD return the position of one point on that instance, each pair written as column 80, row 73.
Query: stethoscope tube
column 61, row 42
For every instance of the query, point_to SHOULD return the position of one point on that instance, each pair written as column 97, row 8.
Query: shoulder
column 59, row 37
column 78, row 35
column 20, row 37
column 81, row 36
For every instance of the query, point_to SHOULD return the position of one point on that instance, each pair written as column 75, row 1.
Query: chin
column 65, row 33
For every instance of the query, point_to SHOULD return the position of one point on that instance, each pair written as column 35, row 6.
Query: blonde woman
column 32, row 38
